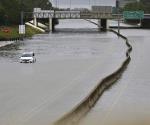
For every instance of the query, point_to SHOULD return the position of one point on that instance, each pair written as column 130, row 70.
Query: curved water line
column 74, row 116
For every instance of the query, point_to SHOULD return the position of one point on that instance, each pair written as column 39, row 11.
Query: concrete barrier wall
column 74, row 116
column 35, row 27
column 5, row 42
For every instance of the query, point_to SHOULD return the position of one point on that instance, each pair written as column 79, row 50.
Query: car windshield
column 26, row 55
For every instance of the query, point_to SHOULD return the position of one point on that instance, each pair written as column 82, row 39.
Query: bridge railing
column 95, row 15
column 72, row 15
column 67, row 14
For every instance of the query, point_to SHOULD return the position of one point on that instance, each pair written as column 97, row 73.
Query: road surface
column 128, row 101
column 69, row 65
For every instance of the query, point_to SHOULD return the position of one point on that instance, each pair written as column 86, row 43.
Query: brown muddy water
column 69, row 65
column 128, row 101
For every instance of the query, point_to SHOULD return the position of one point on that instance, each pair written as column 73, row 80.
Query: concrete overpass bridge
column 52, row 14
column 102, row 17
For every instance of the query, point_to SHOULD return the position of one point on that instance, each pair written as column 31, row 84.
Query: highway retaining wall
column 74, row 116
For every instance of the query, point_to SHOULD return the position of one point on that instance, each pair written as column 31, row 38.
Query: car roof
column 28, row 53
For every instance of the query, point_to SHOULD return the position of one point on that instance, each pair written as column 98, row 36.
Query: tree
column 146, row 3
column 30, row 4
column 1, row 14
column 143, row 5
column 11, row 10
column 134, row 6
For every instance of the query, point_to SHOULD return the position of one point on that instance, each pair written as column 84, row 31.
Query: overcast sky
column 81, row 3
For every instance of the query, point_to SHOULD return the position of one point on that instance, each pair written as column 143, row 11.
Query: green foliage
column 14, row 33
column 10, row 10
column 142, row 5
column 134, row 6
column 146, row 3
column 30, row 31
column 1, row 14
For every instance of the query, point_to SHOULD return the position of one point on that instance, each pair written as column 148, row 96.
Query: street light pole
column 117, row 7
column 70, row 4
column 22, row 17
column 89, row 3
column 21, row 26
column 21, row 12
column 56, row 3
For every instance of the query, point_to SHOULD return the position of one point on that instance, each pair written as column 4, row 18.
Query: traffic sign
column 21, row 29
column 133, row 14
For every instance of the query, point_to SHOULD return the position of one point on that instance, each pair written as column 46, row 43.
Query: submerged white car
column 27, row 57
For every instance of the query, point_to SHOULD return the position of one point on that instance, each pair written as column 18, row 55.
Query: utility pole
column 21, row 26
column 70, row 4
column 56, row 3
column 89, row 3
column 117, row 7
column 21, row 12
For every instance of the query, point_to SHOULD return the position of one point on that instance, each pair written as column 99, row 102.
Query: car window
column 27, row 55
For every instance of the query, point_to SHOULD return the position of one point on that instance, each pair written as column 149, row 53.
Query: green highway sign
column 133, row 14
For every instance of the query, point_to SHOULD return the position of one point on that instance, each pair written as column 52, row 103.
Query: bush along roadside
column 11, row 33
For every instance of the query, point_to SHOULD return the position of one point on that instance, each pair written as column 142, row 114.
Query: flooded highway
column 69, row 65
column 128, row 101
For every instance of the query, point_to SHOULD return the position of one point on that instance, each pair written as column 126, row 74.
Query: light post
column 21, row 12
column 117, row 7
column 89, row 3
column 21, row 26
column 70, row 4
column 56, row 3
column 95, row 2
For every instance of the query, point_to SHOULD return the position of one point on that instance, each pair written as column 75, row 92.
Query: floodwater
column 69, row 64
column 128, row 101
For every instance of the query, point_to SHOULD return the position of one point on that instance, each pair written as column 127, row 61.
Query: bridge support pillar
column 35, row 21
column 145, row 23
column 103, row 24
column 51, row 25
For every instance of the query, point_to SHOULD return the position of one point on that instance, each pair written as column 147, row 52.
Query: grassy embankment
column 11, row 32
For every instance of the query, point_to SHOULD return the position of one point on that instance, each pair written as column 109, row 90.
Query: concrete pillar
column 145, row 23
column 103, row 24
column 99, row 25
column 51, row 25
column 35, row 21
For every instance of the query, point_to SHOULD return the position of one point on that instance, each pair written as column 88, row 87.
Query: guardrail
column 11, row 39
column 73, row 117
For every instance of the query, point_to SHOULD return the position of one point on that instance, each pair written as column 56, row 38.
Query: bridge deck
column 77, row 15
column 72, row 15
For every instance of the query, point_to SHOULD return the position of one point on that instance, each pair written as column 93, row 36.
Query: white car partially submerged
column 27, row 57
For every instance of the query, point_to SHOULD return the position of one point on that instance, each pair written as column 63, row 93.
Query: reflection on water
column 77, row 31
